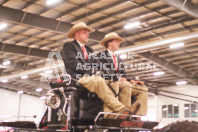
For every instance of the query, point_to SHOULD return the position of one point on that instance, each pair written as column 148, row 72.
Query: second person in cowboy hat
column 80, row 33
column 121, row 86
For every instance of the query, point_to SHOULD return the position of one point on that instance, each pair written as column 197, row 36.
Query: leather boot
column 138, row 118
column 135, row 107
column 124, row 111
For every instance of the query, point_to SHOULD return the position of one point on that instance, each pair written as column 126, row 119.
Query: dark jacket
column 105, row 58
column 72, row 61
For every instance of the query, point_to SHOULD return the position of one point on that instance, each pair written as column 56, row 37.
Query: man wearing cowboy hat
column 80, row 33
column 120, row 84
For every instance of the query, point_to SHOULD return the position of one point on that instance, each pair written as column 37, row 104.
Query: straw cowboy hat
column 111, row 36
column 77, row 27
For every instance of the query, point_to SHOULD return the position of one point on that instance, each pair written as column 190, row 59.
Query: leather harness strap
column 113, row 89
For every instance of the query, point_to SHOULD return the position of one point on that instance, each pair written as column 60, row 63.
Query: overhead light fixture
column 186, row 108
column 176, row 45
column 3, row 25
column 137, row 78
column 43, row 97
column 131, row 25
column 4, row 81
column 123, row 56
column 139, row 48
column 20, row 92
column 6, row 63
column 165, row 109
column 49, row 71
column 196, row 111
column 24, row 77
column 39, row 89
column 175, row 105
column 181, row 83
column 158, row 73
column 44, row 75
column 52, row 2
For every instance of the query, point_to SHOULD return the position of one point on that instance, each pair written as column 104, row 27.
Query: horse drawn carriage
column 71, row 107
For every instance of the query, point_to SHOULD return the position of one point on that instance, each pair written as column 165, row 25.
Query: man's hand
column 122, row 79
column 137, row 82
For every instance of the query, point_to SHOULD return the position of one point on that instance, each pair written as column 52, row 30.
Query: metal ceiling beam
column 28, row 37
column 56, row 41
column 191, row 67
column 141, row 72
column 23, row 50
column 39, row 39
column 37, row 23
column 112, row 15
column 28, row 4
column 167, row 65
column 7, row 28
column 43, row 23
column 33, row 71
column 26, row 50
column 128, row 17
column 4, row 67
column 154, row 58
column 152, row 10
column 19, row 66
column 3, row 2
column 159, row 25
column 173, row 58
column 164, row 33
column 77, row 8
column 184, row 5
column 120, row 12
column 25, row 37
column 94, row 35
column 14, row 87
column 154, row 45
column 36, row 41
column 147, row 55
column 14, row 34
column 46, row 39
column 186, row 49
column 185, row 64
column 148, row 2
column 23, row 66
column 157, row 34
column 98, row 10
column 180, row 61
column 46, row 8
column 36, row 84
column 31, row 36
column 186, row 53
column 135, row 29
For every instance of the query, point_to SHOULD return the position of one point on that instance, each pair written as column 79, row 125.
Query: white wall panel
column 185, row 89
column 10, row 103
column 30, row 106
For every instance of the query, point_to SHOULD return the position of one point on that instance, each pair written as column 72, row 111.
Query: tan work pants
column 98, row 85
column 142, row 95
column 124, row 95
column 126, row 91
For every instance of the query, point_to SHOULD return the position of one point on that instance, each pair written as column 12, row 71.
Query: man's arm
column 124, row 76
column 137, row 82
